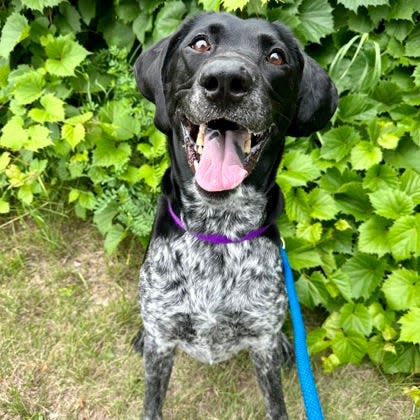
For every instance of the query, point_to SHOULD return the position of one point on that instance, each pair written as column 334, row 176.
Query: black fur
column 213, row 300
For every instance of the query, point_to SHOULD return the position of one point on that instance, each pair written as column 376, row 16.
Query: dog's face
column 227, row 91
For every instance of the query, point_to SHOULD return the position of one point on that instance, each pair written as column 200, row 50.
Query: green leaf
column 410, row 323
column 352, row 199
column 316, row 19
column 87, row 9
column 25, row 194
column 322, row 206
column 298, row 169
column 317, row 341
column 64, row 54
column 373, row 236
column 297, row 207
column 350, row 348
column 4, row 206
column 232, row 5
column 52, row 111
column 108, row 154
column 403, row 9
column 391, row 204
column 28, row 87
column 364, row 155
column 402, row 289
column 376, row 350
column 410, row 184
column 141, row 25
column 312, row 291
column 40, row 4
column 15, row 30
column 356, row 107
column 380, row 177
column 104, row 217
column 412, row 45
column 355, row 4
column 355, row 318
column 338, row 142
column 39, row 137
column 114, row 237
column 169, row 18
column 14, row 136
column 407, row 360
column 309, row 232
column 404, row 237
column 73, row 134
column 301, row 256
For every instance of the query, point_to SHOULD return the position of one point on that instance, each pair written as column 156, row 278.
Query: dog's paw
column 138, row 341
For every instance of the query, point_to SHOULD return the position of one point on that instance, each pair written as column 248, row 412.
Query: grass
column 68, row 313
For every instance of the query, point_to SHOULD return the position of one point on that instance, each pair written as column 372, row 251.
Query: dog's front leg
column 158, row 363
column 267, row 363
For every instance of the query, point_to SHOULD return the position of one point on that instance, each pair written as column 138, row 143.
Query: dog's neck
column 242, row 212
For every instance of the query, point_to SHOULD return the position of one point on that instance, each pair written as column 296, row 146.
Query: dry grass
column 68, row 313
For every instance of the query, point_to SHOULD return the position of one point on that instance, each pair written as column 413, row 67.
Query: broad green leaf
column 40, row 4
column 355, row 318
column 380, row 317
column 365, row 273
column 297, row 169
column 407, row 155
column 373, row 236
column 25, row 194
column 376, row 350
column 406, row 360
column 352, row 199
column 28, row 87
column 391, row 204
column 380, row 177
column 150, row 176
column 232, row 5
column 213, row 5
column 349, row 348
column 322, row 206
column 297, row 207
column 15, row 30
column 412, row 46
column 87, row 200
column 73, row 134
column 317, row 340
column 69, row 19
column 312, row 290
column 414, row 394
column 104, row 216
column 404, row 237
column 309, row 232
column 117, row 33
column 402, row 289
column 52, row 111
column 410, row 184
column 114, row 237
column 169, row 18
column 410, row 326
column 364, row 155
column 316, row 19
column 356, row 107
column 73, row 195
column 87, row 9
column 107, row 153
column 338, row 142
column 4, row 160
column 39, row 137
column 403, row 9
column 64, row 54
column 4, row 206
column 142, row 24
column 355, row 4
column 14, row 136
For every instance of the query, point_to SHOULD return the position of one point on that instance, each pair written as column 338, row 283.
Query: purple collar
column 215, row 238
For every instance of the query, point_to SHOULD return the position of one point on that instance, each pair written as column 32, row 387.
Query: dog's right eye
column 200, row 45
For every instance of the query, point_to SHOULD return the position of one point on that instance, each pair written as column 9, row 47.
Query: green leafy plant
column 75, row 127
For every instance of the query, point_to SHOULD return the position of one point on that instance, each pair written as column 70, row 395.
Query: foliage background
column 75, row 128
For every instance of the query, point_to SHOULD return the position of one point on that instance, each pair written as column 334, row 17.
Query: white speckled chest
column 212, row 300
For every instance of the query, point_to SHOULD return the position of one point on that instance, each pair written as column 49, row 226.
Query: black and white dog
column 227, row 91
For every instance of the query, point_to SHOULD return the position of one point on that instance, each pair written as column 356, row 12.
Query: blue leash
column 306, row 378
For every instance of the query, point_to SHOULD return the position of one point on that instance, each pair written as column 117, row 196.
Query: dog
column 227, row 91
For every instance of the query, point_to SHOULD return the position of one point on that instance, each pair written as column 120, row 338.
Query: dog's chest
column 212, row 300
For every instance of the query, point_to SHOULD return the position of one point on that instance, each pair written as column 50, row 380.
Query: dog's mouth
column 222, row 153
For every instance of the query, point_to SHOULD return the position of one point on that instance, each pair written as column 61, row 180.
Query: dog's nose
column 225, row 79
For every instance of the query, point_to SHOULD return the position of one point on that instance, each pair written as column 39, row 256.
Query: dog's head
column 227, row 91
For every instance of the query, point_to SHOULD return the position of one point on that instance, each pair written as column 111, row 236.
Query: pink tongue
column 220, row 167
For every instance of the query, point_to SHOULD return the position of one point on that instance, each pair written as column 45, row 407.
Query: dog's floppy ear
column 149, row 71
column 317, row 100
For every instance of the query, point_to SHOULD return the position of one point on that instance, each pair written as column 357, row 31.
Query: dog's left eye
column 200, row 45
column 276, row 57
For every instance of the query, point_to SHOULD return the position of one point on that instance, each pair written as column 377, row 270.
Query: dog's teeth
column 200, row 136
column 196, row 164
column 200, row 149
column 247, row 143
